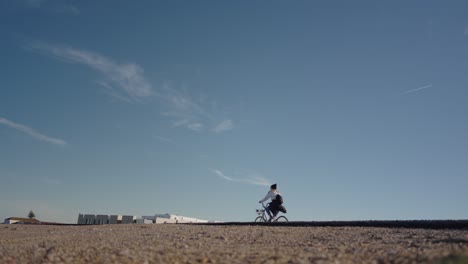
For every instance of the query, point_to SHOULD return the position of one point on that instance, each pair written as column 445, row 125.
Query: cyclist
column 276, row 202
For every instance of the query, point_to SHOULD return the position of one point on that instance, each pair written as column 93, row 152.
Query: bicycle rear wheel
column 282, row 219
column 259, row 219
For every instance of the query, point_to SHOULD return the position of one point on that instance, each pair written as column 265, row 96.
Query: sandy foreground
column 229, row 244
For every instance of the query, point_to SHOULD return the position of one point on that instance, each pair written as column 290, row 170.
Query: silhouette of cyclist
column 276, row 204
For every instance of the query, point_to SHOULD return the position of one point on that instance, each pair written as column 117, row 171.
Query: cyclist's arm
column 268, row 196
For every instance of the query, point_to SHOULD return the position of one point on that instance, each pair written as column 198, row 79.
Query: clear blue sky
column 357, row 109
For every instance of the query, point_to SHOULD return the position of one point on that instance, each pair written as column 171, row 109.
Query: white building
column 92, row 219
column 172, row 218
column 19, row 220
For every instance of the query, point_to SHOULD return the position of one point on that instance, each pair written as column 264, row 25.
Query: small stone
column 125, row 252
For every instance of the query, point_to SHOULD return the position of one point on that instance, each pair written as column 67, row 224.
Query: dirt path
column 229, row 244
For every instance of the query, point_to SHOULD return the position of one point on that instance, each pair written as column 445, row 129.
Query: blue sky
column 356, row 109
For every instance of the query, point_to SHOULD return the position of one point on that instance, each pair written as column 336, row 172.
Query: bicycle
column 262, row 215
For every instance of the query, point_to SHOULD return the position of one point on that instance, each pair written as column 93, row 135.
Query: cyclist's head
column 273, row 187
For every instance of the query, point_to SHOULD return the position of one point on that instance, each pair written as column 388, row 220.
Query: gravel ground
column 229, row 244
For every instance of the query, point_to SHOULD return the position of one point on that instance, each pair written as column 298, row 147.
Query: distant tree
column 31, row 215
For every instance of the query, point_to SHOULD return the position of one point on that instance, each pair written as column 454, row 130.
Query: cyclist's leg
column 268, row 212
column 275, row 214
column 274, row 210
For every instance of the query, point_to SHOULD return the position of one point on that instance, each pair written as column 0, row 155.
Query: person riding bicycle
column 276, row 202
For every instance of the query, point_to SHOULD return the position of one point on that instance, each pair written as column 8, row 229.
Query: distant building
column 20, row 220
column 176, row 218
column 90, row 219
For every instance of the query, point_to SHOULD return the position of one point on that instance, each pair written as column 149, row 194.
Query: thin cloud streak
column 225, row 125
column 417, row 89
column 110, row 91
column 195, row 126
column 257, row 180
column 221, row 175
column 184, row 108
column 33, row 133
column 189, row 112
column 121, row 80
column 163, row 139
column 126, row 82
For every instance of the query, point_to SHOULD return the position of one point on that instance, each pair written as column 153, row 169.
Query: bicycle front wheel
column 282, row 219
column 259, row 219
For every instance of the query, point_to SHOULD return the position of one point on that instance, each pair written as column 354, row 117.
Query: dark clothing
column 282, row 209
column 275, row 207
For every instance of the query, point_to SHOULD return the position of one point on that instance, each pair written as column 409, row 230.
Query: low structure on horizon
column 91, row 219
column 21, row 220
column 172, row 218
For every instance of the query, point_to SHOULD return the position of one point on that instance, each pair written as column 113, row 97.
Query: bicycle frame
column 262, row 214
column 265, row 210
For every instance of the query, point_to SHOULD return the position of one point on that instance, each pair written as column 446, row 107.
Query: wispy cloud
column 126, row 82
column 190, row 112
column 110, row 91
column 183, row 108
column 223, row 126
column 163, row 139
column 221, row 175
column 122, row 80
column 195, row 126
column 33, row 133
column 253, row 180
column 417, row 89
